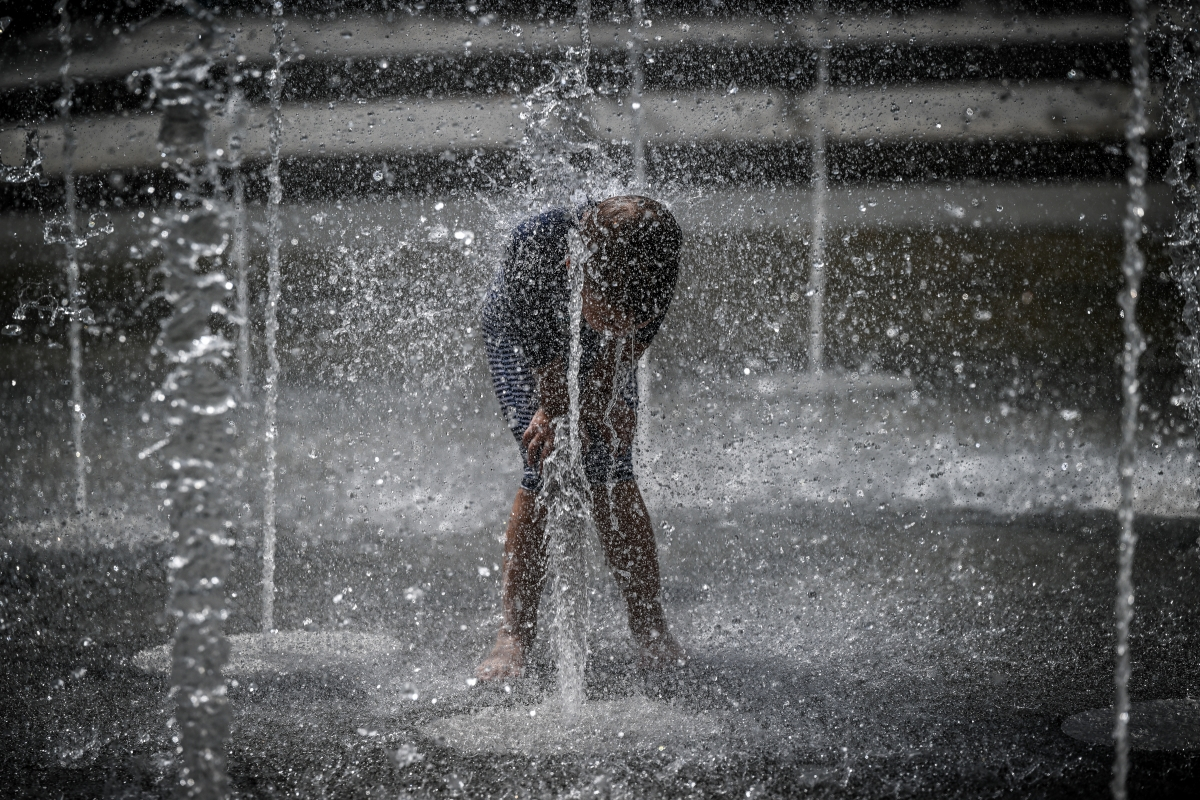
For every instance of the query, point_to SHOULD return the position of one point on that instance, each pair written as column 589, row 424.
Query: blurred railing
column 931, row 96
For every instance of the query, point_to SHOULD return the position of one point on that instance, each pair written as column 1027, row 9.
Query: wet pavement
column 835, row 652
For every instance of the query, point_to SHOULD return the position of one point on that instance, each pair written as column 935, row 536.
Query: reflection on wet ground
column 884, row 591
column 906, row 651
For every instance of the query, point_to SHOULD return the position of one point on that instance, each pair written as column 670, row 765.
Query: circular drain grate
column 1154, row 725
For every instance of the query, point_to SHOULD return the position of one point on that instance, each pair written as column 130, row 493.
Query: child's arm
column 599, row 404
column 553, row 402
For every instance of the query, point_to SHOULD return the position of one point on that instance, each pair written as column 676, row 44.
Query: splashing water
column 558, row 139
column 274, row 237
column 637, row 84
column 569, row 525
column 31, row 164
column 51, row 310
column 197, row 399
column 820, row 179
column 71, row 247
column 1183, row 119
column 1133, row 266
column 237, row 111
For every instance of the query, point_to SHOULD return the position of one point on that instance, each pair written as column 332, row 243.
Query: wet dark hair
column 635, row 243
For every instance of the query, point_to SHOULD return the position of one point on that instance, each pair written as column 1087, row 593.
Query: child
column 629, row 278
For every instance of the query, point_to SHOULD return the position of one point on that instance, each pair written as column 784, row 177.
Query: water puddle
column 602, row 726
column 294, row 651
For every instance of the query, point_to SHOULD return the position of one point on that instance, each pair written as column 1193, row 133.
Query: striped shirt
column 528, row 302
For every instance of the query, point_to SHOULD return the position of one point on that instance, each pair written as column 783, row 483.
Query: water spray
column 31, row 163
column 198, row 400
column 274, row 235
column 637, row 85
column 237, row 112
column 558, row 130
column 1133, row 266
column 820, row 182
column 71, row 251
column 565, row 495
column 1183, row 120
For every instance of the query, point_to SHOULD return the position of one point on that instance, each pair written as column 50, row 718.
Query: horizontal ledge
column 354, row 37
column 379, row 128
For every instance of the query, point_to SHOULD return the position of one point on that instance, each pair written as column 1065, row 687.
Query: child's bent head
column 634, row 243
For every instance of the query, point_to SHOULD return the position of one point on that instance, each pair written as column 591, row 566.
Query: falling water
column 237, row 114
column 637, row 84
column 71, row 248
column 568, row 521
column 1183, row 119
column 1133, row 265
column 557, row 135
column 559, row 130
column 31, row 163
column 274, row 235
column 198, row 451
column 820, row 179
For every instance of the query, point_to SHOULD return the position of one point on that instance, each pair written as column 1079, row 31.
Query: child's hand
column 538, row 439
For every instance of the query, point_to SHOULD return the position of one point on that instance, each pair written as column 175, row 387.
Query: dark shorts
column 516, row 389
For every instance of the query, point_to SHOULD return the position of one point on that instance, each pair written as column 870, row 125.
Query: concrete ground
column 906, row 652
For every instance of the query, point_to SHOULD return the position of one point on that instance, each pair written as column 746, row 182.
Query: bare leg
column 521, row 582
column 628, row 540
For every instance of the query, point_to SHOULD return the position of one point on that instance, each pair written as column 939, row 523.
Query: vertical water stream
column 71, row 241
column 565, row 494
column 558, row 134
column 1183, row 120
column 237, row 112
column 1133, row 266
column 274, row 228
column 637, row 85
column 820, row 183
column 197, row 398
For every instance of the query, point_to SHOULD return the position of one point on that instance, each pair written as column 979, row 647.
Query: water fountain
column 70, row 247
column 1183, row 107
column 557, row 135
column 887, row 589
column 1163, row 723
column 198, row 452
column 237, row 111
column 820, row 190
column 274, row 240
column 638, row 183
column 569, row 528
column 1134, row 267
column 31, row 162
column 637, row 86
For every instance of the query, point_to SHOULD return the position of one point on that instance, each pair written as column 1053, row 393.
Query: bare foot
column 507, row 659
column 659, row 649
